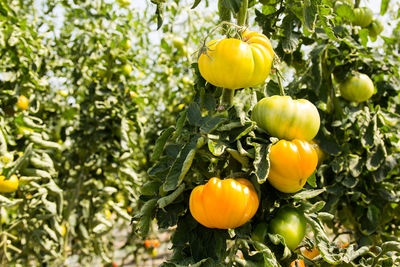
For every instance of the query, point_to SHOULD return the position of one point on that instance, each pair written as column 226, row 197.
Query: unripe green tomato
column 285, row 118
column 362, row 16
column 178, row 42
column 290, row 224
column 126, row 44
column 357, row 88
column 375, row 28
column 337, row 4
column 126, row 69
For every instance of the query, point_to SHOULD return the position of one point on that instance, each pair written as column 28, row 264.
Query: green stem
column 227, row 97
column 281, row 91
column 242, row 14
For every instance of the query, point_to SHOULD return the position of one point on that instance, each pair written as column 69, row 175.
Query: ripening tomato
column 297, row 263
column 156, row 243
column 290, row 224
column 223, row 204
column 375, row 28
column 233, row 64
column 362, row 16
column 147, row 243
column 357, row 88
column 10, row 185
column 285, row 118
column 22, row 102
column 312, row 253
column 291, row 163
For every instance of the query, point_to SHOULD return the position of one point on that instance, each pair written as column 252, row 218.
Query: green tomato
column 375, row 28
column 126, row 69
column 126, row 44
column 259, row 232
column 285, row 118
column 357, row 88
column 290, row 224
column 337, row 4
column 362, row 16
column 178, row 42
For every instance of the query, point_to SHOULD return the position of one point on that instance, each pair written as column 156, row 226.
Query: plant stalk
column 227, row 97
column 242, row 14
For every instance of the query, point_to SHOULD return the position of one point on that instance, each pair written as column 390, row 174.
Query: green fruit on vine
column 126, row 69
column 124, row 2
column 375, row 28
column 362, row 16
column 357, row 88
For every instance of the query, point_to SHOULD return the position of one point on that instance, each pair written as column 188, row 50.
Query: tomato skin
column 291, row 163
column 297, row 263
column 285, row 118
column 248, row 61
column 156, row 243
column 22, row 102
column 362, row 16
column 9, row 185
column 223, row 204
column 290, row 224
column 357, row 88
column 375, row 28
column 126, row 44
column 321, row 154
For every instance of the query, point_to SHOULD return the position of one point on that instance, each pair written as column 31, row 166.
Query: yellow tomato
column 233, row 64
column 10, row 185
column 223, row 204
column 22, row 102
column 292, row 162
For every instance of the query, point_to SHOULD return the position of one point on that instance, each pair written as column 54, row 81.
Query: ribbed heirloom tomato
column 233, row 64
column 357, row 88
column 223, row 204
column 10, row 185
column 290, row 224
column 291, row 163
column 362, row 16
column 285, row 118
column 375, row 28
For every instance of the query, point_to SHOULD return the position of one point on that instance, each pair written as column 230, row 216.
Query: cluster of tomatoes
column 230, row 203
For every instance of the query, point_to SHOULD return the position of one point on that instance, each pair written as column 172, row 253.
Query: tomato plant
column 375, row 28
column 297, row 263
column 357, row 88
column 290, row 223
column 223, row 204
column 249, row 60
column 283, row 117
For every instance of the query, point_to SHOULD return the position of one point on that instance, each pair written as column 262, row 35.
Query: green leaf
column 160, row 143
column 355, row 165
column 309, row 14
column 312, row 180
column 376, row 157
column 179, row 124
column 181, row 165
column 195, row 4
column 164, row 201
column 233, row 5
column 291, row 39
column 390, row 246
column 145, row 216
column 217, row 148
column 210, row 124
column 150, row 188
column 194, row 114
column 307, row 194
column 345, row 11
column 384, row 6
column 261, row 161
column 241, row 159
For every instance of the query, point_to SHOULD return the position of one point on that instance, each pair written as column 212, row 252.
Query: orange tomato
column 297, row 263
column 223, row 204
column 22, row 102
column 147, row 243
column 156, row 243
column 311, row 254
